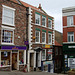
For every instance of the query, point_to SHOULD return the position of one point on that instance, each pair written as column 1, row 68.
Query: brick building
column 68, row 37
column 41, row 39
column 12, row 35
column 58, row 52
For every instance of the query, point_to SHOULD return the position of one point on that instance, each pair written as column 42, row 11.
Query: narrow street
column 30, row 73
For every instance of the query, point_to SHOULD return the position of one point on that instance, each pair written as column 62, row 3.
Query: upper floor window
column 43, row 37
column 69, row 20
column 37, row 35
column 44, row 54
column 56, row 50
column 7, row 36
column 70, row 36
column 37, row 19
column 8, row 15
column 49, row 23
column 43, row 21
column 49, row 38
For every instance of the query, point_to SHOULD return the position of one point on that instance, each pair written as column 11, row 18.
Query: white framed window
column 7, row 36
column 50, row 54
column 49, row 23
column 70, row 36
column 49, row 38
column 37, row 19
column 43, row 54
column 8, row 15
column 69, row 20
column 43, row 21
column 43, row 37
column 37, row 35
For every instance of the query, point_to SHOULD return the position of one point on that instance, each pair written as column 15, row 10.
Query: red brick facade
column 20, row 21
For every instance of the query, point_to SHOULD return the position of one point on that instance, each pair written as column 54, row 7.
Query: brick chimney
column 40, row 6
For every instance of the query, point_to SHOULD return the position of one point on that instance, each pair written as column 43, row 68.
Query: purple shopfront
column 12, row 58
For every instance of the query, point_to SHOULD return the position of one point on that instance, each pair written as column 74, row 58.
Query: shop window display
column 5, row 58
column 21, row 55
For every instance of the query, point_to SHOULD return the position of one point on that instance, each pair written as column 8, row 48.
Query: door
column 14, row 61
column 38, row 59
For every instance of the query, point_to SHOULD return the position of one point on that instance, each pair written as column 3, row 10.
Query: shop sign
column 71, row 46
column 71, row 63
column 46, row 62
column 26, row 42
column 13, row 47
column 47, row 46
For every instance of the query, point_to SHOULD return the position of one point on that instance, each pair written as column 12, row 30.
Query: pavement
column 29, row 73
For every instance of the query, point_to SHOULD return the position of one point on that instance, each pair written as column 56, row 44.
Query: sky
column 54, row 9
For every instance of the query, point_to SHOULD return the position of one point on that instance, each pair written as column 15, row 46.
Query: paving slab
column 28, row 73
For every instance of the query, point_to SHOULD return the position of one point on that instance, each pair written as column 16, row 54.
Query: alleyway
column 30, row 73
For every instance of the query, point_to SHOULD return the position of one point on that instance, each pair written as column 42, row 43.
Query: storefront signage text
column 71, row 46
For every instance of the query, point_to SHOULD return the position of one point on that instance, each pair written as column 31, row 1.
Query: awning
column 13, row 47
column 38, row 49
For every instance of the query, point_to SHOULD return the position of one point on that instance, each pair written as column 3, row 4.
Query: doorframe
column 17, row 59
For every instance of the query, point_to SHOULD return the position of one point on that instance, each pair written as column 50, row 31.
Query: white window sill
column 43, row 26
column 37, row 24
column 7, row 43
column 37, row 42
column 43, row 59
column 5, row 66
column 8, row 24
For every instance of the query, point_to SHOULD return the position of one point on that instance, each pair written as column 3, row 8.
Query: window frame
column 69, row 18
column 45, row 37
column 70, row 37
column 39, row 36
column 50, row 54
column 39, row 18
column 6, row 7
column 48, row 38
column 9, row 29
column 45, row 55
column 48, row 24
column 45, row 21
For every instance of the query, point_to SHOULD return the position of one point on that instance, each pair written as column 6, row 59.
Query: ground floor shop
column 34, row 60
column 47, row 66
column 12, row 58
column 69, row 56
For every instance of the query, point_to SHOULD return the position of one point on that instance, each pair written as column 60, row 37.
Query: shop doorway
column 14, row 61
column 38, row 59
column 31, row 61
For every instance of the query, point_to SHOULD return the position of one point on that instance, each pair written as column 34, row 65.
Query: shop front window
column 5, row 58
column 21, row 57
column 50, row 54
column 43, row 54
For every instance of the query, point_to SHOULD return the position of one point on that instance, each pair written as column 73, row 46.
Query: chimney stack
column 39, row 6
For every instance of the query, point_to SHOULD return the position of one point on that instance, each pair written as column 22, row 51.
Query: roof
column 28, row 5
column 57, row 44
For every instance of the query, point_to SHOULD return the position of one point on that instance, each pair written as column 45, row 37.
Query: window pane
column 37, row 36
column 70, row 20
column 43, row 21
column 70, row 36
column 37, row 19
column 49, row 23
column 8, row 16
column 7, row 36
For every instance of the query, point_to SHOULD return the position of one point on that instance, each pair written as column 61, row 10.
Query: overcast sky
column 53, row 8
